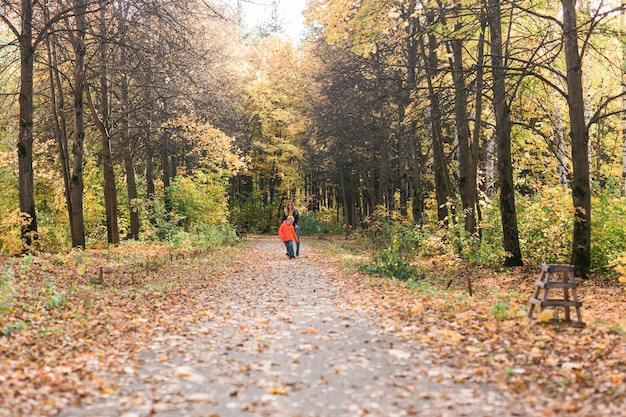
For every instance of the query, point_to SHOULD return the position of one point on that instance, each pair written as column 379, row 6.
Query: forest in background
column 490, row 130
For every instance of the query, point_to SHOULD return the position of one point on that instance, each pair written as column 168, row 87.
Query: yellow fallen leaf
column 108, row 390
column 416, row 309
column 544, row 316
column 277, row 391
column 452, row 336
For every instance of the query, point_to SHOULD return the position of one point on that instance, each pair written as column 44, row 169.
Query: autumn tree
column 581, row 192
column 103, row 70
column 503, row 134
column 101, row 115
column 623, row 117
column 29, row 37
column 462, row 32
column 272, row 131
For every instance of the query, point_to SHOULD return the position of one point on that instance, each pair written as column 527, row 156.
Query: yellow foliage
column 620, row 268
column 11, row 232
column 215, row 151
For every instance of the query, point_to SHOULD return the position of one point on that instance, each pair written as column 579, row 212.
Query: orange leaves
column 452, row 336
column 616, row 379
column 455, row 338
column 64, row 334
column 558, row 362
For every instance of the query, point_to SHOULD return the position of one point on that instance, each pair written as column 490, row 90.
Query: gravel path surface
column 277, row 340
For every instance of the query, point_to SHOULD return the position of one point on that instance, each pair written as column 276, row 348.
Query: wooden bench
column 567, row 283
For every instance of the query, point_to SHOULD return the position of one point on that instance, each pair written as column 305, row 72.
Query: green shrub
column 324, row 221
column 249, row 213
column 396, row 243
column 500, row 310
column 391, row 264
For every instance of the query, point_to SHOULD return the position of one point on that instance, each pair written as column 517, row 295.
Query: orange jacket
column 287, row 232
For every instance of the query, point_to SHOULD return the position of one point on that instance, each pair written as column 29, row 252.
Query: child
column 288, row 235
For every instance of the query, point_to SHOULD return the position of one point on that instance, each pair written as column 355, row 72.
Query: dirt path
column 278, row 341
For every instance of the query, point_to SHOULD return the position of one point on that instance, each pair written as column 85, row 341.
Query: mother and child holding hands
column 289, row 230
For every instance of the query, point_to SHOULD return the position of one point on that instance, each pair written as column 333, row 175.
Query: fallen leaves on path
column 71, row 324
column 487, row 338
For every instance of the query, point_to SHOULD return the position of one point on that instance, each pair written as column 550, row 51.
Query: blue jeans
column 298, row 243
column 289, row 246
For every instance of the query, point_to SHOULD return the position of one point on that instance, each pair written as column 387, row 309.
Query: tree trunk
column 103, row 122
column 478, row 115
column 25, row 141
column 129, row 167
column 165, row 171
column 623, row 116
column 414, row 162
column 490, row 166
column 57, row 96
column 345, row 197
column 587, row 113
column 77, row 180
column 559, row 140
column 467, row 184
column 443, row 186
column 581, row 192
column 150, row 187
column 57, row 103
column 465, row 158
column 125, row 133
column 502, row 112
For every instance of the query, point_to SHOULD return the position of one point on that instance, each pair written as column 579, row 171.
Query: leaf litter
column 243, row 330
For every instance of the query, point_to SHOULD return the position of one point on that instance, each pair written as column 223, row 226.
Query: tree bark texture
column 581, row 190
column 478, row 113
column 467, row 183
column 25, row 141
column 559, row 141
column 104, row 124
column 78, row 146
column 443, row 186
column 57, row 103
column 623, row 116
column 503, row 141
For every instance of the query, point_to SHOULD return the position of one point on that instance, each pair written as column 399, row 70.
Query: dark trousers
column 289, row 246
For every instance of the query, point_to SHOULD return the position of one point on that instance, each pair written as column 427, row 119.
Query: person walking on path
column 288, row 235
column 291, row 210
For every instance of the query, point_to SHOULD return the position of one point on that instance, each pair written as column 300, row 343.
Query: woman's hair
column 295, row 210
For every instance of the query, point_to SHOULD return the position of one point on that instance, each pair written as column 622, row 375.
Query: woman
column 291, row 210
